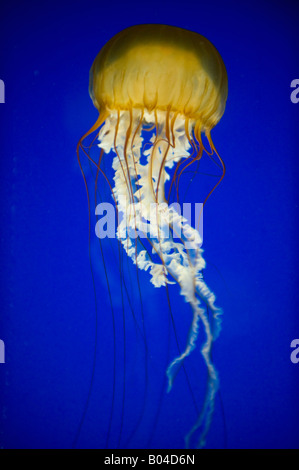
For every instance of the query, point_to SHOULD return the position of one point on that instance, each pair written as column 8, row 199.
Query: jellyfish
column 172, row 83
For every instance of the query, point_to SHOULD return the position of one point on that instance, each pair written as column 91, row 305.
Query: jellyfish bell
column 174, row 82
column 157, row 67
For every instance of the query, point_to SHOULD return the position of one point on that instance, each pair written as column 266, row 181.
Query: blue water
column 48, row 314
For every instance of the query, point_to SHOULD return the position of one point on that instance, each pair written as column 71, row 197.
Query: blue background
column 48, row 315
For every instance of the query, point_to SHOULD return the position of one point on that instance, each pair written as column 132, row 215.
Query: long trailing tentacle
column 137, row 185
column 95, row 127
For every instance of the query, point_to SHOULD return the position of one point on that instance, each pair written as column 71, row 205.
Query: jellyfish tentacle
column 176, row 364
column 209, row 298
column 137, row 185
column 205, row 417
